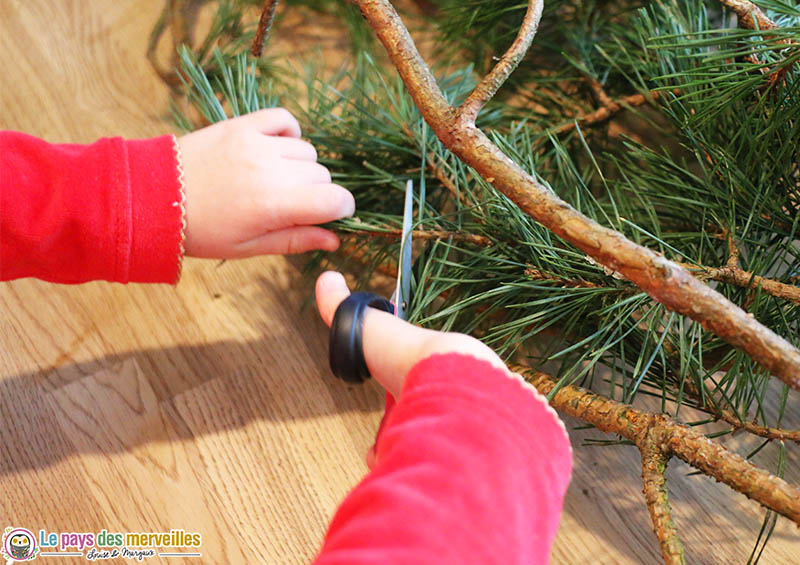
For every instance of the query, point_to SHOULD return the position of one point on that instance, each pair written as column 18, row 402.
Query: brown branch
column 264, row 25
column 733, row 274
column 675, row 439
column 475, row 239
column 710, row 405
column 535, row 274
column 665, row 281
column 735, row 471
column 654, row 481
column 758, row 430
column 605, row 112
column 487, row 88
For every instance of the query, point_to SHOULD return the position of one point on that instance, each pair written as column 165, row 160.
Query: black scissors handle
column 346, row 349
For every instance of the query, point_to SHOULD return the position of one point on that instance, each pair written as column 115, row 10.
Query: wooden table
column 209, row 406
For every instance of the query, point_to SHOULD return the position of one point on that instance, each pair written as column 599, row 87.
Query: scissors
column 346, row 351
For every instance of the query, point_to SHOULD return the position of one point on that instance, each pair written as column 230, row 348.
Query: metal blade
column 402, row 293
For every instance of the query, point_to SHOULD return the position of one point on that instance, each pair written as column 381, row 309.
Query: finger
column 331, row 290
column 290, row 241
column 310, row 204
column 295, row 149
column 272, row 121
column 306, row 172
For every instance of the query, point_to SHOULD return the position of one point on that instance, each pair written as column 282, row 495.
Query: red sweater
column 472, row 463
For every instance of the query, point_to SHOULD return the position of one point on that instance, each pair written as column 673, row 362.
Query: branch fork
column 665, row 281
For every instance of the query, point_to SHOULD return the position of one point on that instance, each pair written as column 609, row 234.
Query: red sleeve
column 472, row 467
column 110, row 211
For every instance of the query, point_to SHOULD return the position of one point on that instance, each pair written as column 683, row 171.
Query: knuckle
column 283, row 113
column 293, row 243
column 311, row 149
column 324, row 172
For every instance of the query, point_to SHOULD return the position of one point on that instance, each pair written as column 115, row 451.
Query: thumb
column 391, row 346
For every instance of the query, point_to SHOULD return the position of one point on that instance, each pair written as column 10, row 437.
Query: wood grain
column 209, row 406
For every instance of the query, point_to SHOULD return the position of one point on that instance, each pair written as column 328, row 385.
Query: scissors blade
column 402, row 293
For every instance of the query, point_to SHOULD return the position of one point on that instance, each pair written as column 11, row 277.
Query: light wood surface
column 209, row 407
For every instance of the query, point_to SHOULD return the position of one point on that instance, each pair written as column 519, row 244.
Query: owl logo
column 19, row 544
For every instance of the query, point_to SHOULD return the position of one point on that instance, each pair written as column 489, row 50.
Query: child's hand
column 392, row 346
column 254, row 187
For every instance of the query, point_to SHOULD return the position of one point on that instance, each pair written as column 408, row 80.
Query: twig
column 735, row 275
column 732, row 273
column 438, row 172
column 710, row 406
column 756, row 429
column 486, row 89
column 667, row 282
column 607, row 110
column 654, row 481
column 676, row 439
column 264, row 25
column 171, row 17
column 536, row 275
column 475, row 239
column 442, row 177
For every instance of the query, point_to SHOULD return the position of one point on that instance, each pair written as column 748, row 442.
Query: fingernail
column 332, row 243
column 333, row 279
column 349, row 206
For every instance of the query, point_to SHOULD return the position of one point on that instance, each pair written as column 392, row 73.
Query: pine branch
column 731, row 273
column 674, row 439
column 654, row 469
column 701, row 401
column 264, row 25
column 486, row 89
column 667, row 282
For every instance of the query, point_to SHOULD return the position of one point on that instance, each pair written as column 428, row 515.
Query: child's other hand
column 392, row 346
column 254, row 187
